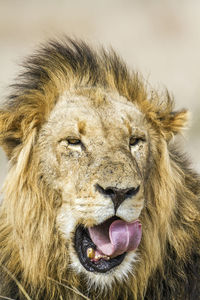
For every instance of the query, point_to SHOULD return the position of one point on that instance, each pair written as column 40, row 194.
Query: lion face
column 97, row 146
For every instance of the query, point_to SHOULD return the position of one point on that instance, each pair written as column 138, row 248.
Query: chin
column 104, row 281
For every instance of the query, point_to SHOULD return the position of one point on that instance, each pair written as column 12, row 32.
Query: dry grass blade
column 17, row 283
column 69, row 288
column 7, row 298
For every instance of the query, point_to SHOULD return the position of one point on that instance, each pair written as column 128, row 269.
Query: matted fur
column 34, row 257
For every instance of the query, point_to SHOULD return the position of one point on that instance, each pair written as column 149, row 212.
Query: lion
column 99, row 201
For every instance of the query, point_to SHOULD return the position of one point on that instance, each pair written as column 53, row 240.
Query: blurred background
column 159, row 38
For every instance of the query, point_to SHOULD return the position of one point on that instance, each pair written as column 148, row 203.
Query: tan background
column 159, row 38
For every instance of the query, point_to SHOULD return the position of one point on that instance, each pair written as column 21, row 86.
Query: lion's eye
column 71, row 143
column 134, row 141
column 74, row 142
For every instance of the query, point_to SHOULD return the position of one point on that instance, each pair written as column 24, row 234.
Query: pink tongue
column 117, row 237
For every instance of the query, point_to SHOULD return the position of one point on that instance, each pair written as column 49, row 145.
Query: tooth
column 90, row 253
column 99, row 256
column 95, row 255
column 106, row 257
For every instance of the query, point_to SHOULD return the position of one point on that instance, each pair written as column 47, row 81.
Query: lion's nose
column 118, row 195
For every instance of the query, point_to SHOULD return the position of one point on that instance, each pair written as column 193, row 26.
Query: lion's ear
column 10, row 134
column 174, row 122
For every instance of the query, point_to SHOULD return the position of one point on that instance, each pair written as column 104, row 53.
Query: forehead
column 96, row 109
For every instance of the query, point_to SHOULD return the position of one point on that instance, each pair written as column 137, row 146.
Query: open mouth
column 104, row 246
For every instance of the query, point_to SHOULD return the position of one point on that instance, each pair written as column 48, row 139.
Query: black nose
column 118, row 195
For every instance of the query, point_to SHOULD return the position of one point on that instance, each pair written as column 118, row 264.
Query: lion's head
column 93, row 193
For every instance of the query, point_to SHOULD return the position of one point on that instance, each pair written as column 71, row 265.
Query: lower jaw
column 82, row 243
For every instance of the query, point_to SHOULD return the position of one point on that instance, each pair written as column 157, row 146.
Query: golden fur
column 36, row 262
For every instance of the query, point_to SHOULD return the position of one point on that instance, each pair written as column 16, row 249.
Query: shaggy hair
column 33, row 255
